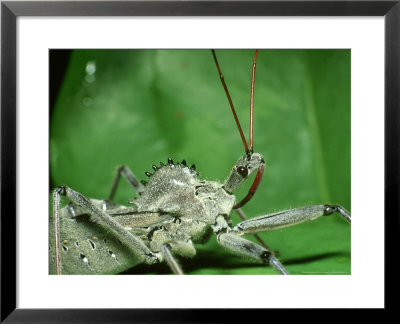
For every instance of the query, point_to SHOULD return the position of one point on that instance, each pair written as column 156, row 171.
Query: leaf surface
column 139, row 107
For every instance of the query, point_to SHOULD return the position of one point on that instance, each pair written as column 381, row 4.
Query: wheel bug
column 93, row 241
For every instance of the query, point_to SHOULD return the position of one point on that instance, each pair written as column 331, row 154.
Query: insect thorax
column 175, row 189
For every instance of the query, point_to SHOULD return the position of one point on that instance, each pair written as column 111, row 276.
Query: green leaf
column 140, row 107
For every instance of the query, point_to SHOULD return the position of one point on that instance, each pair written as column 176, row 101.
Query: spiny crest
column 170, row 162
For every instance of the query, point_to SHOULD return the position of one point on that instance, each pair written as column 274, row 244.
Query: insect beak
column 253, row 187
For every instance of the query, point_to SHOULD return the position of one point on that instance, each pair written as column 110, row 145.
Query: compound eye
column 243, row 171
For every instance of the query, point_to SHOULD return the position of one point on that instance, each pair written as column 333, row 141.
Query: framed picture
column 135, row 84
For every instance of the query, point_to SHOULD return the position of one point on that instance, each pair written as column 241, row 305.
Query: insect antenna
column 221, row 76
column 260, row 171
column 249, row 150
column 253, row 74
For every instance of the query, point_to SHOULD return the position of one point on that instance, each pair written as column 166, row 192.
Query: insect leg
column 129, row 176
column 288, row 218
column 177, row 247
column 134, row 243
column 245, row 247
column 176, row 268
column 243, row 217
column 56, row 223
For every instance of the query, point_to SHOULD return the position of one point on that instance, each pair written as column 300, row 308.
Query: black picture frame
column 11, row 10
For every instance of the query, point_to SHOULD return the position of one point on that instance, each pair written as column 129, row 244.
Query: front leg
column 247, row 248
column 288, row 217
column 243, row 217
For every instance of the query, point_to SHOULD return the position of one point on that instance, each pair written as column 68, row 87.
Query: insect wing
column 87, row 247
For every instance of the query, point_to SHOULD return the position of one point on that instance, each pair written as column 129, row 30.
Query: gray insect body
column 191, row 206
column 175, row 189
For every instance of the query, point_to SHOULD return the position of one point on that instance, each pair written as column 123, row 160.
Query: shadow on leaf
column 220, row 261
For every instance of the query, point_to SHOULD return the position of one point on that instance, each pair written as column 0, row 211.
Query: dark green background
column 142, row 106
